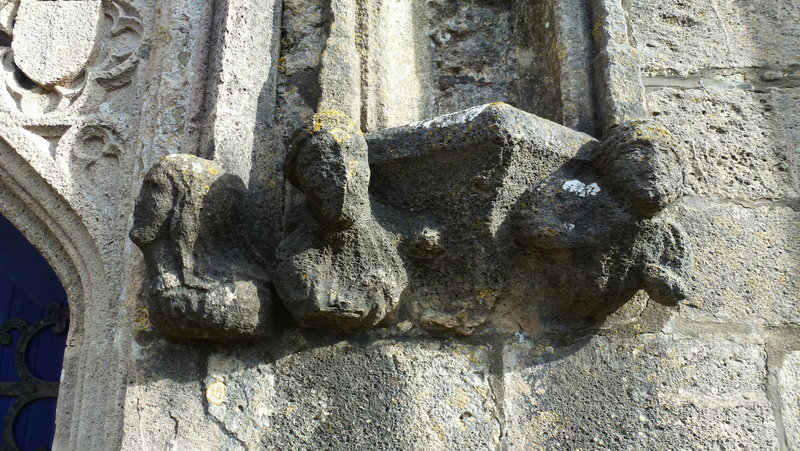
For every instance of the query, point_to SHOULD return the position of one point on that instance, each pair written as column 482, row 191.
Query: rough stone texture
column 790, row 398
column 646, row 392
column 619, row 88
column 382, row 395
column 205, row 280
column 746, row 262
column 509, row 176
column 340, row 268
column 512, row 175
column 683, row 38
column 179, row 420
column 60, row 51
column 396, row 52
column 572, row 47
column 740, row 144
column 205, row 78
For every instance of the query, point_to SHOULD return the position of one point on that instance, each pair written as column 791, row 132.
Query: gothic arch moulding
column 49, row 222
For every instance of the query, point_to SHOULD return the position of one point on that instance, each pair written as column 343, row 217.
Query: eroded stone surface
column 204, row 277
column 61, row 50
column 500, row 204
column 738, row 144
column 176, row 420
column 647, row 392
column 789, row 384
column 746, row 263
column 384, row 395
column 340, row 268
column 682, row 38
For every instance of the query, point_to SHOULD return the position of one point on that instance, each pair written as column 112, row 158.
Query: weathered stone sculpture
column 500, row 204
column 204, row 280
column 340, row 269
column 596, row 219
column 486, row 206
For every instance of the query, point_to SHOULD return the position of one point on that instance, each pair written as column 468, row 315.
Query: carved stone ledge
column 434, row 222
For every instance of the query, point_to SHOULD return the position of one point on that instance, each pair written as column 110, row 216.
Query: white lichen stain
column 460, row 117
column 580, row 188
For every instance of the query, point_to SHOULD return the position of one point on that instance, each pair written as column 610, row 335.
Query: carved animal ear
column 667, row 271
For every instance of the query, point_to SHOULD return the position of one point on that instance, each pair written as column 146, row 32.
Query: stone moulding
column 431, row 222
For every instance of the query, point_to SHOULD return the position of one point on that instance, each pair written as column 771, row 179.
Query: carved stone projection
column 499, row 203
column 443, row 218
column 340, row 268
column 204, row 277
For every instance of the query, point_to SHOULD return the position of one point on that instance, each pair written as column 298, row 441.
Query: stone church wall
column 88, row 108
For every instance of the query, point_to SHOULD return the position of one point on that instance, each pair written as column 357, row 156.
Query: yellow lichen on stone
column 352, row 167
column 141, row 319
column 215, row 393
column 460, row 398
column 660, row 131
column 487, row 295
column 340, row 135
column 333, row 119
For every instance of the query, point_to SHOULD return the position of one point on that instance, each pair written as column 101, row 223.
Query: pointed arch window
column 33, row 333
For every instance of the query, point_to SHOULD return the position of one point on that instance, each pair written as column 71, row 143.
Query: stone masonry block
column 789, row 384
column 741, row 144
column 384, row 395
column 649, row 392
column 679, row 38
column 164, row 405
column 745, row 263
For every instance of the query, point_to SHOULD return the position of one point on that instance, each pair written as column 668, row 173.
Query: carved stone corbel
column 204, row 277
column 340, row 268
column 462, row 211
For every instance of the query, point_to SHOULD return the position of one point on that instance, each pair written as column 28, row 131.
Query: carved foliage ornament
column 445, row 218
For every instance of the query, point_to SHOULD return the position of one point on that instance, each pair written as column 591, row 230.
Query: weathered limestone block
column 746, row 265
column 680, row 38
column 648, row 392
column 738, row 144
column 340, row 269
column 484, row 204
column 609, row 235
column 789, row 385
column 204, row 277
column 476, row 186
column 384, row 395
column 452, row 181
column 165, row 404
